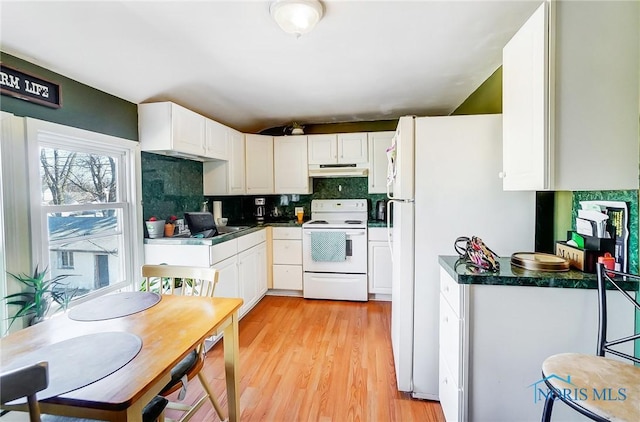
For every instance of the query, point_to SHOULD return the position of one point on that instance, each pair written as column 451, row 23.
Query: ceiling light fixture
column 296, row 16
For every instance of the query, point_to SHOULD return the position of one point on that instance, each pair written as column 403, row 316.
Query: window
column 65, row 260
column 83, row 210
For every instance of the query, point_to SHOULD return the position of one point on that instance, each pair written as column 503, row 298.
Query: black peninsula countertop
column 510, row 275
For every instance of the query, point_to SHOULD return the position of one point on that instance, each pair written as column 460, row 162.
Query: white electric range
column 334, row 250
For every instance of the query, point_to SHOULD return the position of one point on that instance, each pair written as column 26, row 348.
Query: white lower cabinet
column 379, row 262
column 494, row 338
column 287, row 258
column 241, row 264
column 287, row 277
column 227, row 278
column 453, row 349
column 252, row 276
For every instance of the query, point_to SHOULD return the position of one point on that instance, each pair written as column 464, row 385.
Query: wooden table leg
column 231, row 355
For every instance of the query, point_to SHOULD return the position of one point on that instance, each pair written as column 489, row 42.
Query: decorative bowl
column 222, row 221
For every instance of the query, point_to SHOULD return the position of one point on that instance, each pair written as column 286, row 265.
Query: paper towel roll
column 217, row 210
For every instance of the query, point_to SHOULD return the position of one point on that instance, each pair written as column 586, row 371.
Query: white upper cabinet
column 236, row 171
column 378, row 144
column 259, row 164
column 323, row 149
column 227, row 177
column 291, row 171
column 571, row 77
column 171, row 129
column 216, row 140
column 343, row 148
column 352, row 148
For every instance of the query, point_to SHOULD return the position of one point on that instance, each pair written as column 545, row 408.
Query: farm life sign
column 29, row 87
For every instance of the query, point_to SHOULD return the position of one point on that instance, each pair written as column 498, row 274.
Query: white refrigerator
column 443, row 183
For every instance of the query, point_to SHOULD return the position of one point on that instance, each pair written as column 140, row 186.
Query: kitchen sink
column 230, row 229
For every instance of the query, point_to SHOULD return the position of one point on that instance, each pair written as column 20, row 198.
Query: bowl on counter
column 222, row 221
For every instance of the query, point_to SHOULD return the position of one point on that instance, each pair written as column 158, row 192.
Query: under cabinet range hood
column 338, row 170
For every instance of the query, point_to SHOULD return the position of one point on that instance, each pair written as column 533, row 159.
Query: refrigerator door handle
column 389, row 212
column 389, row 229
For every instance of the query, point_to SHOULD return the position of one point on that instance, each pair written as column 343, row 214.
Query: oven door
column 356, row 253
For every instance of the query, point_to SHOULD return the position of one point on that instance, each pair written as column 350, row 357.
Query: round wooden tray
column 538, row 261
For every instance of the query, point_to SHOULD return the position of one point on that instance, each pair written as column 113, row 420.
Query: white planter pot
column 155, row 228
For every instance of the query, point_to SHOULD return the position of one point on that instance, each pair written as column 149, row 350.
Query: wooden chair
column 29, row 380
column 186, row 281
column 590, row 384
column 25, row 382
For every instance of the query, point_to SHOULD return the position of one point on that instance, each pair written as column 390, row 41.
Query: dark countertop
column 209, row 241
column 177, row 240
column 514, row 276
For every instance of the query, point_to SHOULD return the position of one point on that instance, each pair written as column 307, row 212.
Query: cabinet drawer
column 223, row 251
column 190, row 255
column 287, row 252
column 450, row 395
column 451, row 291
column 378, row 234
column 450, row 347
column 287, row 233
column 252, row 239
column 288, row 277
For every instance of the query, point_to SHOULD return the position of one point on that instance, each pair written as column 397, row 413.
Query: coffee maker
column 260, row 210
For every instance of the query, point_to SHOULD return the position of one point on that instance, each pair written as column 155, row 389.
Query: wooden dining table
column 169, row 330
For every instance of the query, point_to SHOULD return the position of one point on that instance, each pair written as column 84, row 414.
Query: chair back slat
column 193, row 281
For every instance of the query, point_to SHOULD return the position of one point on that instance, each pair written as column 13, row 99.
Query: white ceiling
column 228, row 60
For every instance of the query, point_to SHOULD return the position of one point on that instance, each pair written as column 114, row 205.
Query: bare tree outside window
column 77, row 177
column 55, row 168
column 95, row 177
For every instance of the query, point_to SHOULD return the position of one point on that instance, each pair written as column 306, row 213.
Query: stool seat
column 595, row 384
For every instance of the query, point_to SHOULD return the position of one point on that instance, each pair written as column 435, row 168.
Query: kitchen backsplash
column 170, row 186
column 240, row 209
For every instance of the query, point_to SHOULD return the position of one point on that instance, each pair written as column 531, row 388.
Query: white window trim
column 16, row 255
column 132, row 227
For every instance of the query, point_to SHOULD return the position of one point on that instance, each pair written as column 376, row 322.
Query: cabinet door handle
column 502, row 175
column 445, row 320
column 446, row 289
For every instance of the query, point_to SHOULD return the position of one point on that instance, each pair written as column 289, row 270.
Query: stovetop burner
column 346, row 214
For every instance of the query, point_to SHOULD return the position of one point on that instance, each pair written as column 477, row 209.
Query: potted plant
column 153, row 284
column 155, row 227
column 297, row 129
column 170, row 226
column 34, row 302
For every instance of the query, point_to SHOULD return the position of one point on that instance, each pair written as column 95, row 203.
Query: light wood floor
column 303, row 360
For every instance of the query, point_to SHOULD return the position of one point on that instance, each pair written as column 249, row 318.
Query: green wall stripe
column 83, row 107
